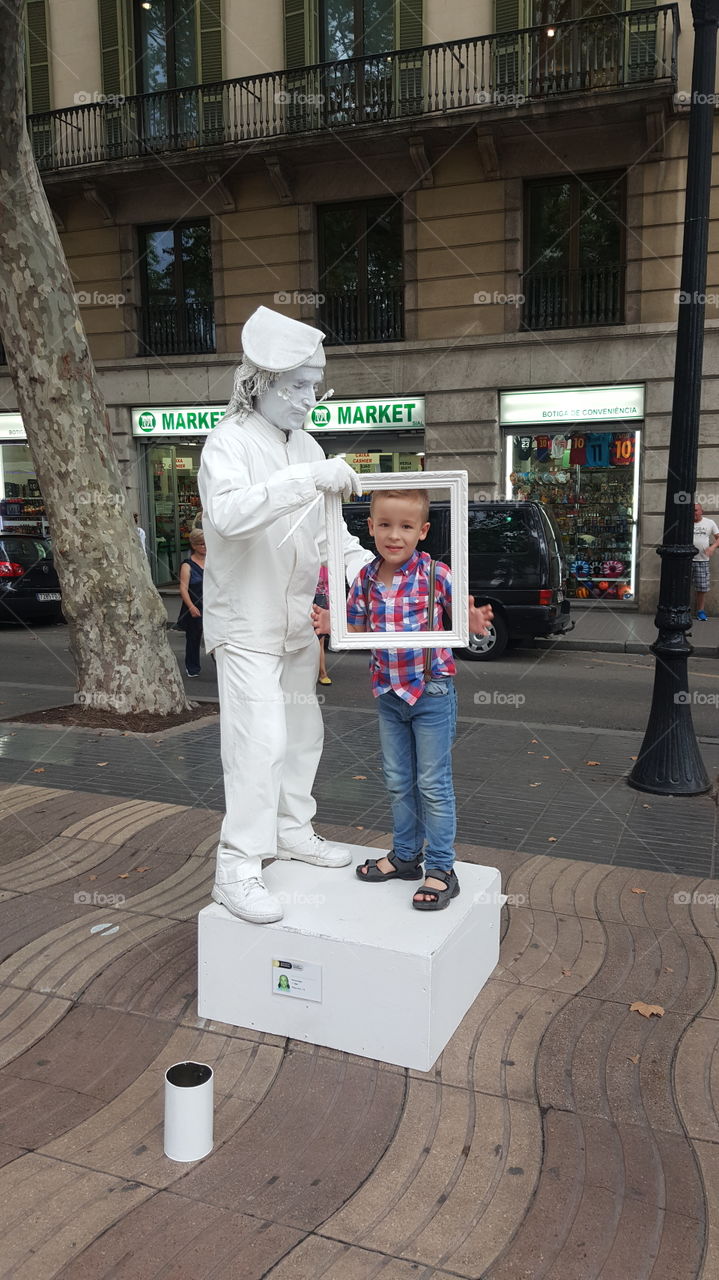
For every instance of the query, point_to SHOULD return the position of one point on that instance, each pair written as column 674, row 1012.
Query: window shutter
column 506, row 50
column 506, row 15
column 37, row 57
column 295, row 37
column 210, row 40
column 409, row 24
column 641, row 44
column 117, row 47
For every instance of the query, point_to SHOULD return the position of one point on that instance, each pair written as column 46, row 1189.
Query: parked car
column 516, row 564
column 29, row 585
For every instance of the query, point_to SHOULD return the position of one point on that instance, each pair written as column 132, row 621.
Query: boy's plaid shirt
column 403, row 607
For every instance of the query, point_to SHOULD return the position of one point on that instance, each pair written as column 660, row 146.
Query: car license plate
column 47, row 595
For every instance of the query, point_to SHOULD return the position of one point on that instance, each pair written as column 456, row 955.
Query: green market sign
column 186, row 420
column 354, row 415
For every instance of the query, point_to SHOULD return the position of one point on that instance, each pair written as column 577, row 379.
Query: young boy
column 417, row 701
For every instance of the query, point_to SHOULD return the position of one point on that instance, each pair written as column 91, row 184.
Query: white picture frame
column 340, row 635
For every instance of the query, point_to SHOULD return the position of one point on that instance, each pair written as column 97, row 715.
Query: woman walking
column 190, row 619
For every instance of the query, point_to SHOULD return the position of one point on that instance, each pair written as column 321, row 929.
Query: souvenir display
column 587, row 479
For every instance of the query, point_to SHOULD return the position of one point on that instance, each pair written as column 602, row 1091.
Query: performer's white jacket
column 254, row 482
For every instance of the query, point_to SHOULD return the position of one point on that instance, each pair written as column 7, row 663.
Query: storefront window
column 589, row 480
column 175, row 504
column 21, row 505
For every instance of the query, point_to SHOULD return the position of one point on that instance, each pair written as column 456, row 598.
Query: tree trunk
column 117, row 620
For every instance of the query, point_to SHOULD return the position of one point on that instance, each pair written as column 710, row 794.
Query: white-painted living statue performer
column 259, row 473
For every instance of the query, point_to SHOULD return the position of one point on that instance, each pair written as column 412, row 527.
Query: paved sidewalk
column 560, row 1135
column 601, row 629
column 534, row 788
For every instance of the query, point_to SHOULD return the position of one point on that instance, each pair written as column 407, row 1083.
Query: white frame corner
column 340, row 635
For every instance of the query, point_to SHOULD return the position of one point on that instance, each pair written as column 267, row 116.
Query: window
column 351, row 28
column 167, row 60
column 178, row 309
column 361, row 272
column 574, row 250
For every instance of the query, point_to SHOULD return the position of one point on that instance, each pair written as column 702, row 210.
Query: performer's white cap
column 278, row 343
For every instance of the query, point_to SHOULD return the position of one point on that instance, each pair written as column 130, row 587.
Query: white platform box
column 353, row 966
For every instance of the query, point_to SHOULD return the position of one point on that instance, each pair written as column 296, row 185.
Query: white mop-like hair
column 250, row 382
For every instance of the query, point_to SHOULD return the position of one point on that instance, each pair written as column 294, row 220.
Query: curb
column 617, row 646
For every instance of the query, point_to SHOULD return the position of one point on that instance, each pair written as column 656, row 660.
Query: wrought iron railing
column 170, row 329
column 573, row 298
column 616, row 50
column 362, row 315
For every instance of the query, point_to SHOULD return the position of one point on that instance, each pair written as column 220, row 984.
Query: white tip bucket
column 188, row 1111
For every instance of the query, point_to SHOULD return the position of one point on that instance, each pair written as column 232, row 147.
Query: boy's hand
column 479, row 618
column 320, row 620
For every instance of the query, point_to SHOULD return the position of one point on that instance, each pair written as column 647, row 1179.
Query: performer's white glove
column 334, row 475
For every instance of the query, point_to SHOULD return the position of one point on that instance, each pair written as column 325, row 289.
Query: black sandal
column 440, row 898
column 404, row 869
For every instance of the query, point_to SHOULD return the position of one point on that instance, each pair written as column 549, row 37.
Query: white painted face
column 288, row 400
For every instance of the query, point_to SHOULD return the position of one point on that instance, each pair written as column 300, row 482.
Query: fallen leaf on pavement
column 646, row 1010
column 359, row 777
column 140, row 870
column 534, row 739
column 102, row 764
column 634, row 757
column 633, row 1057
column 92, row 877
column 124, row 875
column 566, row 973
column 551, row 839
column 38, row 770
column 535, row 784
column 667, row 969
column 545, row 757
column 359, row 828
column 646, row 806
column 591, row 762
column 638, row 890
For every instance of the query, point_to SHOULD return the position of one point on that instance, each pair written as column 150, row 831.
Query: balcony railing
column 173, row 329
column 614, row 51
column 573, row 298
column 362, row 315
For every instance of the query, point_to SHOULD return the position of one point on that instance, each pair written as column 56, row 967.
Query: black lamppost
column 669, row 762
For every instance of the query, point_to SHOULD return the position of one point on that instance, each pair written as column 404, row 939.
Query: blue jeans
column 416, row 746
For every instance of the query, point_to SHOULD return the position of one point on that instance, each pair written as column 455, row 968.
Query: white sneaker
column 318, row 851
column 249, row 900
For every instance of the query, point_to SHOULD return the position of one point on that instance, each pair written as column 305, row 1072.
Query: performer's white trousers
column 271, row 730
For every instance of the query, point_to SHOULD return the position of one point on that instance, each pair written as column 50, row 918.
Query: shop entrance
column 174, row 504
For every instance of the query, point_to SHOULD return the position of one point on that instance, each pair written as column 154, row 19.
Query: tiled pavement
column 536, row 789
column 560, row 1135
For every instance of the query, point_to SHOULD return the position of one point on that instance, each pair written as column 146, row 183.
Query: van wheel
column 490, row 646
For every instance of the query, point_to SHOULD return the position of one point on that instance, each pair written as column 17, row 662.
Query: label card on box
column 295, row 978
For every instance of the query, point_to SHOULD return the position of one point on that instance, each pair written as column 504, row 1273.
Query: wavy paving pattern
column 560, row 1135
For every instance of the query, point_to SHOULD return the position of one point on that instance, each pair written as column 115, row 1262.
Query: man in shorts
column 706, row 541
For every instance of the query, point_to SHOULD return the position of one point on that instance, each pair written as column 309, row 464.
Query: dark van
column 516, row 563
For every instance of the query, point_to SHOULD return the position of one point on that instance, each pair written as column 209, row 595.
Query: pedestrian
column 322, row 600
column 140, row 531
column 403, row 589
column 262, row 479
column 192, row 572
column 706, row 541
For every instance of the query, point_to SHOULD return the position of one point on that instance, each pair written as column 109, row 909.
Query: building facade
column 480, row 204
